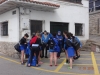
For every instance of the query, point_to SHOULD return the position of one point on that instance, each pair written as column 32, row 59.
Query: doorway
column 35, row 26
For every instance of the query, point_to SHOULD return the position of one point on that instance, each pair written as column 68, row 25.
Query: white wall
column 13, row 26
column 66, row 13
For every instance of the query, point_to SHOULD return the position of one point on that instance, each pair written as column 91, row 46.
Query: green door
column 58, row 26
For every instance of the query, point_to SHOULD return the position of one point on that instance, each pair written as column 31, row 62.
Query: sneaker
column 22, row 63
column 65, row 63
column 69, row 67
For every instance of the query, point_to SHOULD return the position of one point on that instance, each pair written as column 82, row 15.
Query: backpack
column 75, row 42
column 33, row 61
column 17, row 47
column 52, row 43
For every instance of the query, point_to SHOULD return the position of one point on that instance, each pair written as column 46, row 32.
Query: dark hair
column 54, row 34
column 45, row 31
column 65, row 32
column 68, row 35
column 72, row 35
column 26, row 35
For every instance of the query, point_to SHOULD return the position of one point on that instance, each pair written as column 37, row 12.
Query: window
column 78, row 29
column 74, row 1
column 35, row 25
column 4, row 29
column 97, row 5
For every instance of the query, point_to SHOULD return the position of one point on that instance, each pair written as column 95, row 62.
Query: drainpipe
column 19, row 24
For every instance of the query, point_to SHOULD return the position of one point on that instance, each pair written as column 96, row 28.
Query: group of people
column 56, row 43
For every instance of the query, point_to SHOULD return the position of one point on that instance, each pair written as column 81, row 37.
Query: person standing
column 23, row 46
column 45, row 46
column 53, row 49
column 60, row 42
column 35, row 43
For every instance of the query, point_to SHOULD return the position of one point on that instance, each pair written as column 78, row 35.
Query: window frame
column 82, row 29
column 4, row 28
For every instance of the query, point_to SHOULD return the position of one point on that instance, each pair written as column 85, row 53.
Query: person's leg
column 37, row 54
column 58, row 54
column 31, row 57
column 22, row 56
column 71, row 62
column 78, row 53
column 39, row 58
column 51, row 58
column 67, row 60
column 46, row 50
column 55, row 58
column 43, row 47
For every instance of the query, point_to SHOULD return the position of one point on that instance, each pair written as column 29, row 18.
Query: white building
column 20, row 16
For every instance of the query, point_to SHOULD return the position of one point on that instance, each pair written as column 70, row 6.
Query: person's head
column 67, row 35
column 26, row 35
column 65, row 32
column 71, row 35
column 45, row 32
column 38, row 35
column 59, row 32
column 54, row 34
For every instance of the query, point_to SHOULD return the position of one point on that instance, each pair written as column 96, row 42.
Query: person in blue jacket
column 45, row 39
column 60, row 42
column 53, row 49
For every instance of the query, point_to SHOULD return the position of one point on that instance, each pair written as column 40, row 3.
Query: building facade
column 94, row 9
column 18, row 17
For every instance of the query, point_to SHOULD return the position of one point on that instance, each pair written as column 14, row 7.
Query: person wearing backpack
column 69, row 48
column 60, row 42
column 77, row 44
column 23, row 46
column 53, row 49
column 35, row 44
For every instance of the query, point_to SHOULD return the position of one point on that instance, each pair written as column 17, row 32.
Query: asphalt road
column 87, row 64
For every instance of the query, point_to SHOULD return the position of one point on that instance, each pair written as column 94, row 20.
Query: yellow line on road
column 60, row 66
column 9, row 59
column 76, row 64
column 81, row 58
column 96, row 71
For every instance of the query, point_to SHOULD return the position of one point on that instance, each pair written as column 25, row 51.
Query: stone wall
column 94, row 24
column 8, row 49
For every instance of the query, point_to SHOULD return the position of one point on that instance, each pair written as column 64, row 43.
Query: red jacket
column 33, row 40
